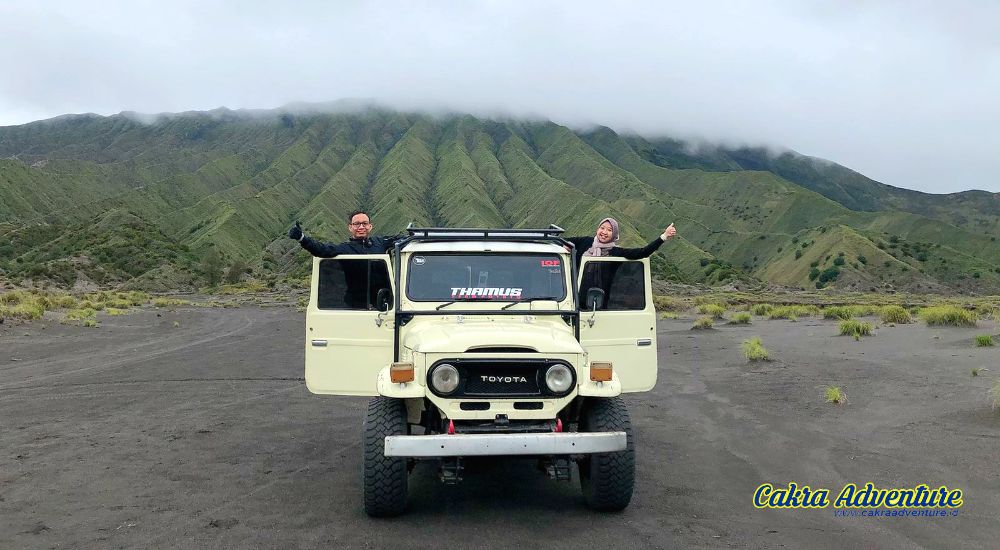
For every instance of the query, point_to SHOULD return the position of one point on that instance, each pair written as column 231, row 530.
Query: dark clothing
column 602, row 274
column 371, row 245
column 361, row 281
column 584, row 243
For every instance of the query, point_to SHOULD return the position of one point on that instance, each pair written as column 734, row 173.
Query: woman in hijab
column 605, row 242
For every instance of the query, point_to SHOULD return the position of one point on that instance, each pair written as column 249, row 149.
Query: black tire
column 607, row 479
column 385, row 478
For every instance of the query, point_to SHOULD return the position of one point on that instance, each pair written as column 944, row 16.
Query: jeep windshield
column 495, row 277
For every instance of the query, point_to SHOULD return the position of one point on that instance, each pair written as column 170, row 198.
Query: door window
column 623, row 283
column 351, row 283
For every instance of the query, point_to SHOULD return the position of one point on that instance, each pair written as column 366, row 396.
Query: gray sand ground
column 142, row 434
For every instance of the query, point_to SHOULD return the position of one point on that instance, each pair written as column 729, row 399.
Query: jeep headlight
column 444, row 378
column 558, row 378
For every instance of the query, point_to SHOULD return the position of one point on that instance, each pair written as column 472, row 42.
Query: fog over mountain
column 900, row 91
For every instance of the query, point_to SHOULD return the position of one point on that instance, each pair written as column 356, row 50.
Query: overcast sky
column 905, row 92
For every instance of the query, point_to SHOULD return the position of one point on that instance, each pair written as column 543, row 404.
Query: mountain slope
column 183, row 184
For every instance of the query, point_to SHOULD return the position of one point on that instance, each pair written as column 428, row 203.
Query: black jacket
column 584, row 243
column 371, row 245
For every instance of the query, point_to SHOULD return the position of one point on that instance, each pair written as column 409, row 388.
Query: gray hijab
column 603, row 249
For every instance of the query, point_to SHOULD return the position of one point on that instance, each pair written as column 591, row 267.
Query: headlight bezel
column 570, row 375
column 444, row 367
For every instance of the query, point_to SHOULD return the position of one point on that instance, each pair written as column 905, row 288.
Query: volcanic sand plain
column 192, row 427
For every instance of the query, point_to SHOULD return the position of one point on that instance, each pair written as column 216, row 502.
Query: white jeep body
column 502, row 311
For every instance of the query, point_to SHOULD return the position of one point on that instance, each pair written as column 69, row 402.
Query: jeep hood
column 441, row 337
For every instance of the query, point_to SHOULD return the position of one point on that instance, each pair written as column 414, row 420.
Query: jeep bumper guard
column 504, row 444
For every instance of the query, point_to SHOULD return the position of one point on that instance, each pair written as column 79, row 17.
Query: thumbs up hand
column 295, row 232
column 669, row 232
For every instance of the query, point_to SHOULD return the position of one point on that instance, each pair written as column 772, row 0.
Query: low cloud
column 900, row 91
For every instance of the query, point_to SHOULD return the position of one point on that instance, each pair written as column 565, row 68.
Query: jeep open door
column 623, row 327
column 349, row 324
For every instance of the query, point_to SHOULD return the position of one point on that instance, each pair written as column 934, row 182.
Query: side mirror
column 595, row 297
column 383, row 300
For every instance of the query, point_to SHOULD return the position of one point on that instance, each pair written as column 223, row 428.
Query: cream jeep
column 478, row 342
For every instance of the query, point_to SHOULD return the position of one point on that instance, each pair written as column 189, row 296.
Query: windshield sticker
column 486, row 293
column 550, row 263
column 418, row 260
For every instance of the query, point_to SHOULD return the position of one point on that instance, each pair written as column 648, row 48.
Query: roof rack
column 553, row 232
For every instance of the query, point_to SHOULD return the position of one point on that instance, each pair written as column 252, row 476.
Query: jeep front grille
column 503, row 378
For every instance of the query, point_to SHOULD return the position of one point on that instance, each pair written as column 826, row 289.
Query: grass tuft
column 948, row 316
column 79, row 314
column 855, row 328
column 663, row 314
column 835, row 395
column 754, row 350
column 838, row 312
column 742, row 318
column 90, row 323
column 661, row 303
column 715, row 310
column 761, row 310
column 984, row 340
column 895, row 314
column 793, row 312
column 702, row 323
column 167, row 302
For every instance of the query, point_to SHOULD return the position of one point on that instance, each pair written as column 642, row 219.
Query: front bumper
column 556, row 443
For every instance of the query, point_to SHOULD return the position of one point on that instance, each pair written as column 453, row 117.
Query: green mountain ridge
column 123, row 199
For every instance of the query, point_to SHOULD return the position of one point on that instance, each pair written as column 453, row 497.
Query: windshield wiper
column 529, row 300
column 446, row 304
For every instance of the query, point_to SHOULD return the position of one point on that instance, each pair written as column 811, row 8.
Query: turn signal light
column 401, row 372
column 600, row 371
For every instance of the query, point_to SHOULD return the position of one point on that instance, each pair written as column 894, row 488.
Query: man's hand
column 669, row 232
column 295, row 232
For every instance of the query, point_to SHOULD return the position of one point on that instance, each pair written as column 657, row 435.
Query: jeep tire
column 607, row 479
column 385, row 478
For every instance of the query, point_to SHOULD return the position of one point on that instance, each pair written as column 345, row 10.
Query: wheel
column 607, row 479
column 385, row 478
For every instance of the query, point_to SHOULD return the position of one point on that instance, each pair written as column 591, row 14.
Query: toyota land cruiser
column 476, row 342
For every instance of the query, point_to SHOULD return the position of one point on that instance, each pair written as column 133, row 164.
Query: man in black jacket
column 361, row 241
column 362, row 283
